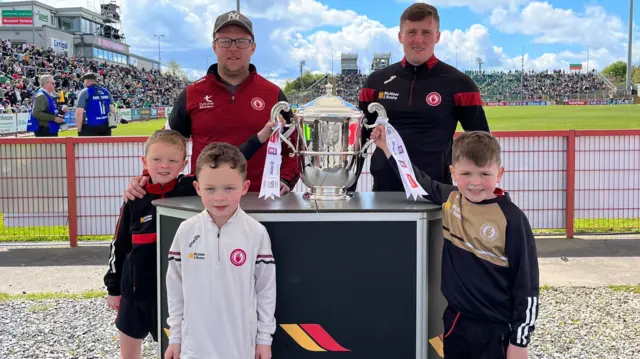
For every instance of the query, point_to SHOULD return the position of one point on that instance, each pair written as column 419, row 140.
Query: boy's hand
column 136, row 188
column 173, row 351
column 379, row 136
column 113, row 301
column 516, row 352
column 263, row 351
column 267, row 130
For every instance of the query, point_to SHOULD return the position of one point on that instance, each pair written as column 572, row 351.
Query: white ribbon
column 270, row 187
column 399, row 153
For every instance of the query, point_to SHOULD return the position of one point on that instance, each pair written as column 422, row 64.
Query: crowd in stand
column 558, row 85
column 348, row 86
column 130, row 86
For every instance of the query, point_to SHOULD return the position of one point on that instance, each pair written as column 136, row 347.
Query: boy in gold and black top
column 489, row 259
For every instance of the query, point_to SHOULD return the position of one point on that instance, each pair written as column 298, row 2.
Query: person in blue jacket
column 45, row 118
column 94, row 105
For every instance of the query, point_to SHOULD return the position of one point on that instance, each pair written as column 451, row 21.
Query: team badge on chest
column 434, row 99
column 238, row 257
column 257, row 103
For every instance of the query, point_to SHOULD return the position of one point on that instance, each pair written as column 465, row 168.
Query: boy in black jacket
column 489, row 259
column 131, row 278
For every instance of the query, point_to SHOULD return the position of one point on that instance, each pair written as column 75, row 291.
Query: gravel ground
column 574, row 322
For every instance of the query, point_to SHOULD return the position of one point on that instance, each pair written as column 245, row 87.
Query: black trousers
column 465, row 338
column 90, row 131
column 44, row 132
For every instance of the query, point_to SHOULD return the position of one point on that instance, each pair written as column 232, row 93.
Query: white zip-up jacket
column 221, row 288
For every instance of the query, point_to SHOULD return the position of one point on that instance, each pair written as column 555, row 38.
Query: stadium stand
column 131, row 87
column 557, row 85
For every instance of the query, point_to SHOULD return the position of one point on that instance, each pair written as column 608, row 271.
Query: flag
column 575, row 66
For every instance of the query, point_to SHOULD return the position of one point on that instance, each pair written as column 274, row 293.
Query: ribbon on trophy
column 400, row 155
column 270, row 187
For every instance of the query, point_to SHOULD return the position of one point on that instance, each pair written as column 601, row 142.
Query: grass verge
column 91, row 294
column 626, row 288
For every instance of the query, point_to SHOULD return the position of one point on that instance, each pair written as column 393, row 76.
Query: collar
column 156, row 188
column 235, row 216
column 213, row 71
column 431, row 62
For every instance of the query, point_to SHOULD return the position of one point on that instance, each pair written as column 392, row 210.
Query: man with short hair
column 229, row 104
column 94, row 105
column 424, row 98
column 45, row 119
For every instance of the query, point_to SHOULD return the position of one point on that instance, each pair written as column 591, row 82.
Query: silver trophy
column 328, row 143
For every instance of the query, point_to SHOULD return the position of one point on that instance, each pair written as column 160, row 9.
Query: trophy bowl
column 328, row 144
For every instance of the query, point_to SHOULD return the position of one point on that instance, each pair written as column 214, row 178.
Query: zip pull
column 219, row 230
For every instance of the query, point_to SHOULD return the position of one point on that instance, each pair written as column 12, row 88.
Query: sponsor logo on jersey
column 387, row 95
column 390, row 79
column 238, row 257
column 208, row 102
column 195, row 255
column 193, row 241
column 434, row 99
column 146, row 218
column 257, row 103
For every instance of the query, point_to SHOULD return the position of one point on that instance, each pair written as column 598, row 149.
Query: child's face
column 476, row 183
column 221, row 189
column 164, row 162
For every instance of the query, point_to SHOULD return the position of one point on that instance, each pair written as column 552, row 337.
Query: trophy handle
column 275, row 117
column 382, row 113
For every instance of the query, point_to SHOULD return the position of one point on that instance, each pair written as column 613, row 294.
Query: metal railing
column 566, row 182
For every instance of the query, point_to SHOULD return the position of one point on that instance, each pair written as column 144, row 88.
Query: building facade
column 78, row 31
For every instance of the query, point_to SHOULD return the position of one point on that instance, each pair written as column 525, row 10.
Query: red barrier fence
column 566, row 182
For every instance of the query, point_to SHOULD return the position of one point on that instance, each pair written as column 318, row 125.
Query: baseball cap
column 233, row 18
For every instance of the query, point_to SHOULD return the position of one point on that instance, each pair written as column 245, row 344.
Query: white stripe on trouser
column 523, row 330
column 112, row 257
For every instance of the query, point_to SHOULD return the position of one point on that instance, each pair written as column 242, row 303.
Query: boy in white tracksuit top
column 221, row 289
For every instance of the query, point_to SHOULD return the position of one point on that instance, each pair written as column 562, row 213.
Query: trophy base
column 327, row 194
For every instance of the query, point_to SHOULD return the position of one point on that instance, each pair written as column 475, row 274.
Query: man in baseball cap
column 233, row 18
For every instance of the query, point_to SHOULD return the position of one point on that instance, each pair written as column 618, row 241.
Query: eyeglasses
column 240, row 43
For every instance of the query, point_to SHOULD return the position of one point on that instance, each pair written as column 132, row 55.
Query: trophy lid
column 328, row 106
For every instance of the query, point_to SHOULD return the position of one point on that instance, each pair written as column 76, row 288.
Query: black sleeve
column 119, row 248
column 468, row 109
column 179, row 119
column 250, row 147
column 437, row 192
column 367, row 96
column 523, row 261
column 185, row 187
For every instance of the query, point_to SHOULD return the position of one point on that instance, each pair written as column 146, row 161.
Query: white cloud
column 475, row 5
column 551, row 25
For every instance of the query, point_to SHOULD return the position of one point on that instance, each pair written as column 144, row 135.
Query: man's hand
column 173, row 351
column 59, row 119
column 263, row 351
column 136, row 188
column 113, row 301
column 379, row 136
column 516, row 352
column 267, row 130
column 284, row 188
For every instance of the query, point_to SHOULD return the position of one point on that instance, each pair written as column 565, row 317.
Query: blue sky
column 554, row 33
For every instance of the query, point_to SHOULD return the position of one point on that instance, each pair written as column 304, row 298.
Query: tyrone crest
column 434, row 99
column 257, row 103
column 238, row 257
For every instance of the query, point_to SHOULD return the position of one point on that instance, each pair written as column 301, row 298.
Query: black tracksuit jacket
column 132, row 269
column 424, row 104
